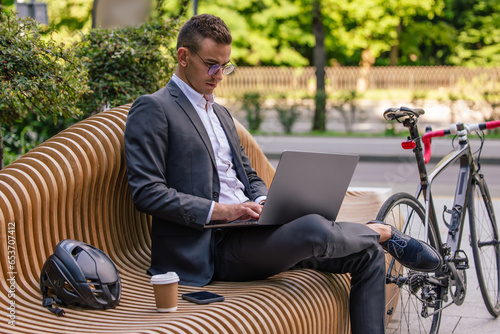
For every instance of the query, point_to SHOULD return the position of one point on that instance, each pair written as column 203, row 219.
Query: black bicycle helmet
column 79, row 274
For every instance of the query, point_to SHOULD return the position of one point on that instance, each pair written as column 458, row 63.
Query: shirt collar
column 193, row 96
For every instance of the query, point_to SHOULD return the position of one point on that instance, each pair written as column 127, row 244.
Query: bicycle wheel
column 484, row 242
column 414, row 301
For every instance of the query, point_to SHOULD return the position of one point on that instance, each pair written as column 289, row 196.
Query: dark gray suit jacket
column 172, row 175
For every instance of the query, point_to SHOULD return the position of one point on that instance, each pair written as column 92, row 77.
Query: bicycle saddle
column 403, row 112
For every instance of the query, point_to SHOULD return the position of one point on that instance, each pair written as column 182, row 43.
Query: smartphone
column 202, row 297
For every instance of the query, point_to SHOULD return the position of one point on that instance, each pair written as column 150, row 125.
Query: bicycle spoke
column 418, row 300
column 485, row 246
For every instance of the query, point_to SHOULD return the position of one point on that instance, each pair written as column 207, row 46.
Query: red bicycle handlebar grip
column 426, row 139
column 492, row 124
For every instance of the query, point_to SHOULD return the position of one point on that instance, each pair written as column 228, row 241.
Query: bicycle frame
column 461, row 198
column 466, row 171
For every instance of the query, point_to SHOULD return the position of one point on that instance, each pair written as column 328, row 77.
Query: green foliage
column 40, row 79
column 37, row 76
column 125, row 63
column 252, row 104
column 287, row 113
column 27, row 133
column 418, row 97
column 265, row 32
column 478, row 28
column 6, row 5
column 346, row 105
column 481, row 94
column 279, row 32
column 70, row 18
column 359, row 25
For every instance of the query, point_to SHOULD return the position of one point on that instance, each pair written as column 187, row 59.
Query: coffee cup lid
column 170, row 277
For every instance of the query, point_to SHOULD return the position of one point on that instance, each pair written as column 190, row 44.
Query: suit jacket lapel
column 188, row 108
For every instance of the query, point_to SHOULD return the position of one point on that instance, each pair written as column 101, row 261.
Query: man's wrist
column 260, row 199
column 209, row 217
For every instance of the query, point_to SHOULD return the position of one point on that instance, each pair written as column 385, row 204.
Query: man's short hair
column 202, row 26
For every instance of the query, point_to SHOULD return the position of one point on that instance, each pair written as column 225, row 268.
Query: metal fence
column 280, row 80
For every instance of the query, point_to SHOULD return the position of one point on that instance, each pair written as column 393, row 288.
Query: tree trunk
column 319, row 122
column 394, row 54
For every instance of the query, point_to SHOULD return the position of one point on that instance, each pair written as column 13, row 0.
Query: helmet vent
column 95, row 287
column 68, row 287
column 76, row 251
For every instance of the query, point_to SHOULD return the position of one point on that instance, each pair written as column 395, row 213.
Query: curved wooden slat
column 74, row 186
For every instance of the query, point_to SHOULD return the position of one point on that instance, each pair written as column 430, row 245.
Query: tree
column 363, row 31
column 38, row 76
column 69, row 19
column 478, row 29
column 319, row 121
column 265, row 32
column 278, row 32
column 358, row 33
column 6, row 5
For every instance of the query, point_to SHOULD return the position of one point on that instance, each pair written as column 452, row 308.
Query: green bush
column 38, row 76
column 252, row 104
column 41, row 80
column 346, row 105
column 287, row 114
column 125, row 63
column 28, row 133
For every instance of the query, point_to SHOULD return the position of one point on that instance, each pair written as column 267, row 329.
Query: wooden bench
column 74, row 186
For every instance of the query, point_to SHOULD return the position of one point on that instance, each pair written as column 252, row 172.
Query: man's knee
column 331, row 239
column 313, row 231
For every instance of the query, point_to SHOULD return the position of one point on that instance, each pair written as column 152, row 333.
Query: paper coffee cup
column 165, row 289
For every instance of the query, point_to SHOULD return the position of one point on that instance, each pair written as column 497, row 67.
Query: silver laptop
column 304, row 183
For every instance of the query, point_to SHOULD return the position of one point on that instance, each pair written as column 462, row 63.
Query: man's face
column 196, row 71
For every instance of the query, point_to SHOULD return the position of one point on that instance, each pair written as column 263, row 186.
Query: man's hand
column 230, row 212
column 385, row 231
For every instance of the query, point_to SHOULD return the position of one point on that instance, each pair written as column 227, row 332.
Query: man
column 186, row 168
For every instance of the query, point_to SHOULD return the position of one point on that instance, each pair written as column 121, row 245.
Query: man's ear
column 182, row 55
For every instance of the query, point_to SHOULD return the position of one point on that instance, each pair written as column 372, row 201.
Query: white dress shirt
column 231, row 188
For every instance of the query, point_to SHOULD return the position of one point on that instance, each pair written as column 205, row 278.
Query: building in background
column 110, row 14
column 33, row 9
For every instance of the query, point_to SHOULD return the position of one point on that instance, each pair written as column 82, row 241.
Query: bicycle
column 421, row 297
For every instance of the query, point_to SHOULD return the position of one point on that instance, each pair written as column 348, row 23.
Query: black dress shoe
column 410, row 252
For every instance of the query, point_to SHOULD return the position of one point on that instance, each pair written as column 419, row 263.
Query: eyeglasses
column 227, row 69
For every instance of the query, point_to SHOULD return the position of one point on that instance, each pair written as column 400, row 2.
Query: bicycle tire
column 484, row 243
column 407, row 303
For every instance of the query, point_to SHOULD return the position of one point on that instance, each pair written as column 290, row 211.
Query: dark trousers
column 311, row 242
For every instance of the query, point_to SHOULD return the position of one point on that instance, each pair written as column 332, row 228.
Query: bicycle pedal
column 462, row 262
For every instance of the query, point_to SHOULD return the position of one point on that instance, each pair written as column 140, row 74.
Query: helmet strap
column 47, row 302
